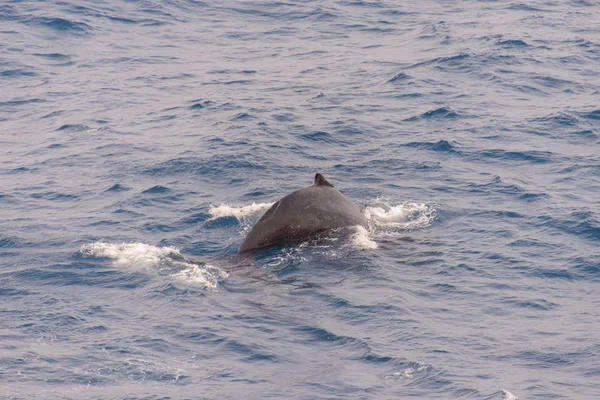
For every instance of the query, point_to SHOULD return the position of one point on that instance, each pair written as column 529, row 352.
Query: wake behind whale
column 318, row 212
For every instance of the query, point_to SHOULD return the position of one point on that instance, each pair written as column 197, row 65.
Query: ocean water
column 140, row 140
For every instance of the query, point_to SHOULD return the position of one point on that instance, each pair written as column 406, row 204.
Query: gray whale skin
column 303, row 214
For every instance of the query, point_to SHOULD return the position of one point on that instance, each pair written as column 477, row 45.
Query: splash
column 386, row 218
column 239, row 212
column 406, row 216
column 508, row 395
column 162, row 260
column 362, row 239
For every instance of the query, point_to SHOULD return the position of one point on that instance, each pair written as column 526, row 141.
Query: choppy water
column 141, row 139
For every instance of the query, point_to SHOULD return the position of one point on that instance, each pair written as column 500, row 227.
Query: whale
column 303, row 214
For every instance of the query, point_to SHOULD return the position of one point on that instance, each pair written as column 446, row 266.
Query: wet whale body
column 303, row 214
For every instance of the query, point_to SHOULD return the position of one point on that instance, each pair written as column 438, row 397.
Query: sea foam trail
column 163, row 260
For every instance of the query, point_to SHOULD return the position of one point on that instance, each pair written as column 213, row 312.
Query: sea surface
column 140, row 140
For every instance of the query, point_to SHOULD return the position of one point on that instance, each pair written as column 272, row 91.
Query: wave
column 59, row 24
column 410, row 371
column 441, row 113
column 73, row 128
column 441, row 146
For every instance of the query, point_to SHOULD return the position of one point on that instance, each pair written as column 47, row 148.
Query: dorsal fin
column 321, row 181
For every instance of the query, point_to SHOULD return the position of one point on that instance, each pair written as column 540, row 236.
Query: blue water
column 141, row 139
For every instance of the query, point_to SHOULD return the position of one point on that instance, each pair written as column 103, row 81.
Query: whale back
column 302, row 214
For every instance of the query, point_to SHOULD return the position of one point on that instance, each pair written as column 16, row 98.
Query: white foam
column 362, row 239
column 138, row 254
column 410, row 371
column 386, row 218
column 206, row 275
column 508, row 395
column 163, row 260
column 239, row 212
column 405, row 216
